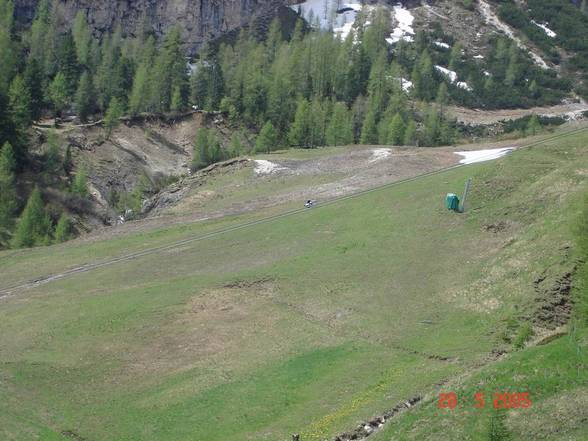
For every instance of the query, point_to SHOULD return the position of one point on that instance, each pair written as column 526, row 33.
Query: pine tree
column 236, row 148
column 300, row 130
column 20, row 103
column 8, row 204
column 33, row 77
column 84, row 100
column 140, row 93
column 396, row 130
column 67, row 62
column 82, row 38
column 8, row 56
column 113, row 115
column 34, row 225
column 340, row 128
column 442, row 96
column 53, row 162
column 455, row 56
column 67, row 161
column 267, row 139
column 431, row 128
column 424, row 78
column 369, row 130
column 202, row 156
column 58, row 94
column 80, row 184
column 62, row 230
column 410, row 134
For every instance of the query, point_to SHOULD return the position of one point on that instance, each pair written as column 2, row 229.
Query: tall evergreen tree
column 369, row 130
column 340, row 128
column 63, row 229
column 84, row 100
column 300, row 130
column 202, row 156
column 267, row 139
column 20, row 103
column 410, row 134
column 80, row 184
column 113, row 115
column 8, row 203
column 34, row 225
column 58, row 93
column 8, row 55
column 82, row 38
column 34, row 79
column 396, row 130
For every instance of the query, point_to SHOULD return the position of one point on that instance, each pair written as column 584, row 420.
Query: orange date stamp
column 500, row 400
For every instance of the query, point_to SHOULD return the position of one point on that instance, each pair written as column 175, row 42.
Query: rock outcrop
column 200, row 20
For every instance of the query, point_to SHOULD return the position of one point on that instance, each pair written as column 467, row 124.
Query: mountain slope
column 309, row 323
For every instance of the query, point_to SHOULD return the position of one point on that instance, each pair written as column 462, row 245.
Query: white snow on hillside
column 263, row 167
column 379, row 154
column 442, row 45
column 479, row 57
column 452, row 75
column 464, row 85
column 404, row 29
column 548, row 31
column 474, row 156
column 492, row 19
column 406, row 84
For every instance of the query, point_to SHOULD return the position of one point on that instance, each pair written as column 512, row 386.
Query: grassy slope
column 322, row 329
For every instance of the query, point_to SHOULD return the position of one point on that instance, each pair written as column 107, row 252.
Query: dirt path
column 486, row 117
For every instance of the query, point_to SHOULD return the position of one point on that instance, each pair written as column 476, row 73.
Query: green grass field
column 309, row 323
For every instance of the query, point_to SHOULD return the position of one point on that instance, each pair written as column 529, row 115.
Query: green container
column 452, row 202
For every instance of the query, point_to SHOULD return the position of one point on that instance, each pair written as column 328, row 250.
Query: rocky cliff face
column 200, row 20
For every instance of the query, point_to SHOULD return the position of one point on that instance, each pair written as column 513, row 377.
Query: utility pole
column 465, row 194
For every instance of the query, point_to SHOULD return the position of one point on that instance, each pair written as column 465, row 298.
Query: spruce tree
column 410, row 134
column 62, row 230
column 58, row 94
column 34, row 225
column 82, row 38
column 67, row 161
column 8, row 54
column 140, row 93
column 34, row 78
column 8, row 204
column 340, row 128
column 396, row 130
column 84, row 100
column 80, row 184
column 300, row 130
column 113, row 115
column 202, row 156
column 267, row 139
column 369, row 130
column 20, row 103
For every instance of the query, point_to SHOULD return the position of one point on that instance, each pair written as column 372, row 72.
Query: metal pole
column 465, row 194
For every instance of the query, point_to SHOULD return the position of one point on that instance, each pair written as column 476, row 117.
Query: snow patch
column 452, row 75
column 264, row 167
column 548, row 31
column 479, row 57
column 404, row 30
column 442, row 45
column 379, row 154
column 475, row 156
column 464, row 85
